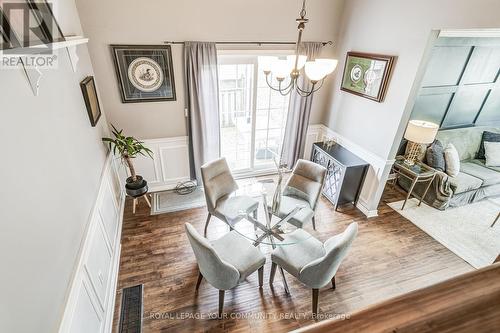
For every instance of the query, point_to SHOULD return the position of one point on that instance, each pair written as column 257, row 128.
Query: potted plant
column 127, row 148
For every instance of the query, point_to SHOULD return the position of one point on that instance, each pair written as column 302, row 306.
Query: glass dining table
column 264, row 226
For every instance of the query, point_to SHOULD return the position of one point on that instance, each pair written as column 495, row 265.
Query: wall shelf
column 33, row 73
column 38, row 49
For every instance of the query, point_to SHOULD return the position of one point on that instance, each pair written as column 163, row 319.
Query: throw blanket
column 439, row 194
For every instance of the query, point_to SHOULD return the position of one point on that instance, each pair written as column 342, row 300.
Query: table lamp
column 418, row 132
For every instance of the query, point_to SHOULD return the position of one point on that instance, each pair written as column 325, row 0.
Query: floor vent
column 131, row 310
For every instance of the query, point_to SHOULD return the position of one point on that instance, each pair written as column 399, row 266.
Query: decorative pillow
column 452, row 160
column 492, row 153
column 487, row 137
column 435, row 156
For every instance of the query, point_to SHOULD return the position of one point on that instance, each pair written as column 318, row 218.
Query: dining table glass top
column 265, row 227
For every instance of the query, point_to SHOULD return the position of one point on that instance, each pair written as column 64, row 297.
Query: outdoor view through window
column 252, row 115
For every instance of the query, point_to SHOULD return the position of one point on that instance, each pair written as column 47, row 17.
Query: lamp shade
column 420, row 131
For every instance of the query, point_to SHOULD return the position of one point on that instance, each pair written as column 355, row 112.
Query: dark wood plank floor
column 390, row 257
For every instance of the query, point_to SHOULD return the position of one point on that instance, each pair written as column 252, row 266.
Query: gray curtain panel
column 299, row 112
column 200, row 64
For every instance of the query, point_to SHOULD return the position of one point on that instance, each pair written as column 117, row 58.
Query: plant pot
column 139, row 183
column 137, row 188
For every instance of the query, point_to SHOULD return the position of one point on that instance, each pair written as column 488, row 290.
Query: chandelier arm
column 312, row 89
column 270, row 85
column 285, row 91
column 303, row 93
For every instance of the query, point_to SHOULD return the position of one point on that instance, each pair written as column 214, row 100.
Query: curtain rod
column 256, row 43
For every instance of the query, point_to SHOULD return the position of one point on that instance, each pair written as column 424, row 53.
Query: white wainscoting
column 91, row 299
column 169, row 165
column 376, row 177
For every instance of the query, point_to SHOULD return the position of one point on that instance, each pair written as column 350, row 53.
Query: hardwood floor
column 390, row 257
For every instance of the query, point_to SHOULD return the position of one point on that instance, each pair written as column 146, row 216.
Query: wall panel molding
column 170, row 163
column 91, row 297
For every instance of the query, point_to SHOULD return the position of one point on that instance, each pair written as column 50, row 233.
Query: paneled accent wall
column 90, row 304
column 170, row 163
column 461, row 85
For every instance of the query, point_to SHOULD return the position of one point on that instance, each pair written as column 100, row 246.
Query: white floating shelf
column 69, row 42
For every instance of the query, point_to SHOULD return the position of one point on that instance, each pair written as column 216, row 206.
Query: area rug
column 466, row 231
column 170, row 201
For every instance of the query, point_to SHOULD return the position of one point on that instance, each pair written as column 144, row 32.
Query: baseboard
column 368, row 213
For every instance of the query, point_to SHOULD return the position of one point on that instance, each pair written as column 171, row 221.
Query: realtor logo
column 28, row 30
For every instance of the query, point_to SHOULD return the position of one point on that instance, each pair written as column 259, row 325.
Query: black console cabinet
column 345, row 173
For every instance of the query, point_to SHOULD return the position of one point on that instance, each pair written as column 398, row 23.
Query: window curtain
column 200, row 63
column 299, row 112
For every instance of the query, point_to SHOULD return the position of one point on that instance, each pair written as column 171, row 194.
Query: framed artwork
column 367, row 75
column 144, row 72
column 31, row 22
column 91, row 101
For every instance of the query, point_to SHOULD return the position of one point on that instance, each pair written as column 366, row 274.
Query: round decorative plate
column 145, row 74
column 370, row 76
column 356, row 72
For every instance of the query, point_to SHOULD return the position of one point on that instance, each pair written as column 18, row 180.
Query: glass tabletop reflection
column 266, row 225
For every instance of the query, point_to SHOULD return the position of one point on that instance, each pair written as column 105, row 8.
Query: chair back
column 217, row 182
column 216, row 271
column 306, row 182
column 319, row 272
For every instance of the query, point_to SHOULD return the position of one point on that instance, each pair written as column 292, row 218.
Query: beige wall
column 155, row 21
column 400, row 28
column 51, row 165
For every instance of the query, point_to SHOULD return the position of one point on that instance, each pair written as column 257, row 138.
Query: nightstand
column 417, row 173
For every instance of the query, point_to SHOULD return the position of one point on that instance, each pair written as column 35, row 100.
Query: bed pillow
column 435, row 156
column 452, row 160
column 487, row 137
column 492, row 153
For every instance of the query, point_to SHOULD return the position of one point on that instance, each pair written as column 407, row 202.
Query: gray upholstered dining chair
column 303, row 188
column 226, row 262
column 312, row 262
column 219, row 184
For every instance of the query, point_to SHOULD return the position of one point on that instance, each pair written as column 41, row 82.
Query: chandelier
column 316, row 70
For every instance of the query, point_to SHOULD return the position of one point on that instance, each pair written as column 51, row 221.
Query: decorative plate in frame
column 367, row 75
column 145, row 72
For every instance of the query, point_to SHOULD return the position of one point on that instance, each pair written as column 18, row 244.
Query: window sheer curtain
column 200, row 63
column 299, row 112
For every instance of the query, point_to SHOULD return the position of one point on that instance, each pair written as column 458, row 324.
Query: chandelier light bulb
column 315, row 71
column 329, row 65
column 281, row 69
column 300, row 64
column 266, row 63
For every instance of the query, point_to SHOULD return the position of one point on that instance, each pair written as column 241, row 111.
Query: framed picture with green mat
column 367, row 75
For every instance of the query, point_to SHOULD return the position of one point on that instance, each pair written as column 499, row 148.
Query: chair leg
column 200, row 277
column 273, row 273
column 206, row 224
column 261, row 276
column 333, row 282
column 315, row 294
column 254, row 213
column 314, row 223
column 221, row 302
column 147, row 200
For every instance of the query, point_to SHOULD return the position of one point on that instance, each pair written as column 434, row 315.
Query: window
column 252, row 115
